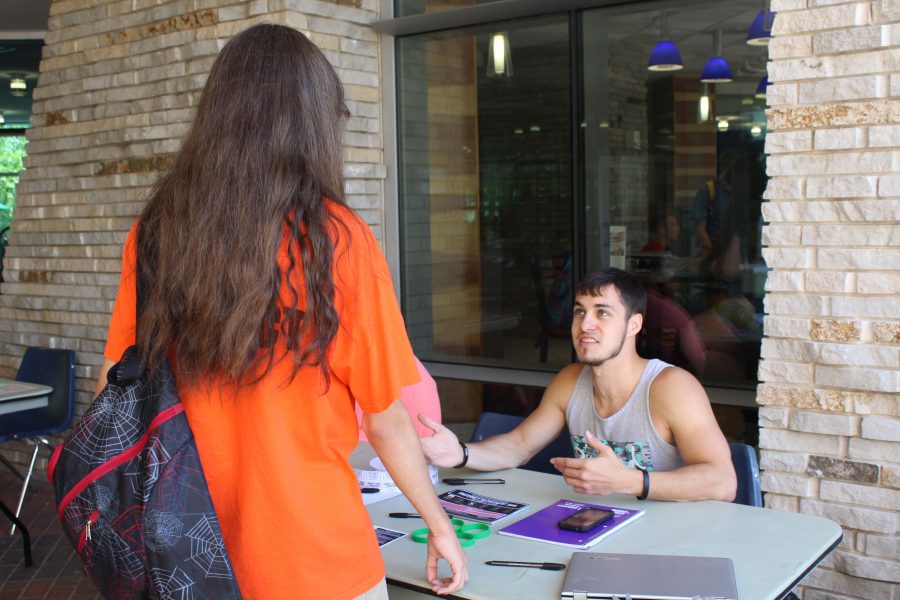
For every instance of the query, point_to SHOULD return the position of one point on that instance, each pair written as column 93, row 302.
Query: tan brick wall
column 830, row 397
column 119, row 80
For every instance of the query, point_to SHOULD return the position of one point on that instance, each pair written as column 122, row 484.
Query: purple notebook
column 542, row 525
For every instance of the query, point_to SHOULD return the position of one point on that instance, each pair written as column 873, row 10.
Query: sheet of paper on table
column 379, row 478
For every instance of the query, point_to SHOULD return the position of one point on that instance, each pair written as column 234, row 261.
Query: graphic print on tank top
column 634, row 454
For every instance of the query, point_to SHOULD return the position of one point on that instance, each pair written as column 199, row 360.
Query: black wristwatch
column 465, row 457
column 646, row 491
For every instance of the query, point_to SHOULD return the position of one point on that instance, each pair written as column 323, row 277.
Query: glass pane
column 486, row 193
column 652, row 163
column 405, row 8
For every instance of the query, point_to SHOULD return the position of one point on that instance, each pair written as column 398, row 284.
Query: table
column 771, row 550
column 17, row 396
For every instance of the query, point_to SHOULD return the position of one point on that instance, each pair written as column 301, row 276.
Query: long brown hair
column 263, row 153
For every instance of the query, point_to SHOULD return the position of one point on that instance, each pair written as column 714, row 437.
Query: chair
column 54, row 368
column 491, row 423
column 746, row 468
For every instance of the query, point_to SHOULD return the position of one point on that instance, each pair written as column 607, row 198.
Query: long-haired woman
column 274, row 304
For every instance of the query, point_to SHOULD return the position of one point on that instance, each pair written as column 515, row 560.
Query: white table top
column 17, row 396
column 771, row 550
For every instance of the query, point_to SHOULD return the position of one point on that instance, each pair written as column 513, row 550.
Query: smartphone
column 585, row 519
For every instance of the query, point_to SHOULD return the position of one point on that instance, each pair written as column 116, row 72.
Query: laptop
column 648, row 577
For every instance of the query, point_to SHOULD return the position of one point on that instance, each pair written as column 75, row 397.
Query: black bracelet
column 465, row 457
column 646, row 491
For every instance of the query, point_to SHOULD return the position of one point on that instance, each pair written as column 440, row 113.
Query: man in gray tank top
column 638, row 426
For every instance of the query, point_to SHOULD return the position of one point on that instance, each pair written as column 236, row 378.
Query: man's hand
column 446, row 546
column 441, row 449
column 602, row 475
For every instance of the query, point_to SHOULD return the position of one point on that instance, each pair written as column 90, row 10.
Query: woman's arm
column 393, row 437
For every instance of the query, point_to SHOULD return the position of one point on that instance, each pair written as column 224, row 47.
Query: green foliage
column 12, row 151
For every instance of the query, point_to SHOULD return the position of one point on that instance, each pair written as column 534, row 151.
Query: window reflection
column 486, row 196
column 671, row 179
column 674, row 176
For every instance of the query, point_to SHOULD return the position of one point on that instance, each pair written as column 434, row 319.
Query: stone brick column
column 119, row 80
column 830, row 437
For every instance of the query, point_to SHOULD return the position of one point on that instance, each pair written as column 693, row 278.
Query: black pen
column 465, row 480
column 369, row 490
column 404, row 515
column 544, row 566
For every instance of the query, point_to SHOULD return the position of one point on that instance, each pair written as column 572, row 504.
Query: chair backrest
column 491, row 423
column 746, row 468
column 55, row 368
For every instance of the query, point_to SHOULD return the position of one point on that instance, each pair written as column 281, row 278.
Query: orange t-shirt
column 276, row 455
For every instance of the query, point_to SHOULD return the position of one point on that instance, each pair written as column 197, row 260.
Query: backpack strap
column 711, row 205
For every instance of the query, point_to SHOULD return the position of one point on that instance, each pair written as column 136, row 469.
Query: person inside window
column 719, row 219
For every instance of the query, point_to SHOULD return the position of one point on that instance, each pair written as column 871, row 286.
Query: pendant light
column 760, row 31
column 17, row 86
column 704, row 105
column 665, row 55
column 761, row 87
column 499, row 62
column 716, row 69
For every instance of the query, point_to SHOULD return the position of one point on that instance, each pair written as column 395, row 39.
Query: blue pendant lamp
column 665, row 55
column 761, row 30
column 761, row 87
column 716, row 69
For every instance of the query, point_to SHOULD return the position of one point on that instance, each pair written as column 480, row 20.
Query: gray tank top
column 629, row 431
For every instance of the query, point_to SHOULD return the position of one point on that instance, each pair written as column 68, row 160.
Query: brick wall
column 118, row 83
column 830, row 410
column 116, row 92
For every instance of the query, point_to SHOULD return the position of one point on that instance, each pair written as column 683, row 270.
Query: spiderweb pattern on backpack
column 114, row 423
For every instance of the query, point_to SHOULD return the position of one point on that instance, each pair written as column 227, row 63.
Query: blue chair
column 54, row 368
column 491, row 423
column 746, row 468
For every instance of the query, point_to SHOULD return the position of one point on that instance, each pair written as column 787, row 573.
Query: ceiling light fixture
column 704, row 105
column 717, row 69
column 761, row 87
column 2, row 120
column 665, row 55
column 17, row 86
column 760, row 31
column 499, row 63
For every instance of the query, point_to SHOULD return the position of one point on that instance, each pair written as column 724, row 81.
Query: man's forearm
column 496, row 453
column 693, row 482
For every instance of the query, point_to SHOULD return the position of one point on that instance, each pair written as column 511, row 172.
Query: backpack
column 131, row 494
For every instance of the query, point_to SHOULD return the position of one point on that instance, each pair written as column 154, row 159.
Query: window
column 486, row 194
column 514, row 185
column 673, row 191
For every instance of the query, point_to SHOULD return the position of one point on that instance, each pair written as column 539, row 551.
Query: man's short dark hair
column 629, row 287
